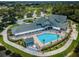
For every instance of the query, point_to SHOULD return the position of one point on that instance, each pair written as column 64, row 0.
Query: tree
column 9, row 18
column 1, row 27
column 77, row 50
column 2, row 48
column 15, row 55
column 43, row 41
column 7, row 52
column 77, row 27
column 20, row 10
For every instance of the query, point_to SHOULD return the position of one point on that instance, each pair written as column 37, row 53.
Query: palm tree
column 43, row 41
column 57, row 37
column 50, row 45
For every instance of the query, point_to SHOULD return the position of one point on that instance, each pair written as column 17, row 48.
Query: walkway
column 4, row 33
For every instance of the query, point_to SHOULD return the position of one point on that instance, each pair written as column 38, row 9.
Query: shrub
column 15, row 55
column 2, row 48
column 8, row 52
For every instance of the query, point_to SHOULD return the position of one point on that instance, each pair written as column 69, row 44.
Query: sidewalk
column 4, row 33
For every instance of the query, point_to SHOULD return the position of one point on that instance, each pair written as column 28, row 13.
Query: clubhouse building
column 56, row 22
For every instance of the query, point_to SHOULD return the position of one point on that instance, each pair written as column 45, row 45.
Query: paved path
column 69, row 54
column 4, row 33
column 74, row 35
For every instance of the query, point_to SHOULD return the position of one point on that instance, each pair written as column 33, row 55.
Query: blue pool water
column 48, row 37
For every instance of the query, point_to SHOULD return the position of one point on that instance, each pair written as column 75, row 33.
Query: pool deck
column 31, row 35
column 68, row 43
column 36, row 41
column 53, row 42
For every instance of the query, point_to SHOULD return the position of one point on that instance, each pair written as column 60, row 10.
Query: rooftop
column 58, row 20
column 54, row 20
column 24, row 27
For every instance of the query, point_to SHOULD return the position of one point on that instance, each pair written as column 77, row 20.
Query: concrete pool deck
column 36, row 41
column 32, row 34
column 49, row 37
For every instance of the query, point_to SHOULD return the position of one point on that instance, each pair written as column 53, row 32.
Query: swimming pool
column 48, row 37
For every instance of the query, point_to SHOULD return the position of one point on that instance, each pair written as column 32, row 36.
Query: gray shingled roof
column 42, row 21
column 58, row 18
column 24, row 27
column 58, row 21
column 54, row 20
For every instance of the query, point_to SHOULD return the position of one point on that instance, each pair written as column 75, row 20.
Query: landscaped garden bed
column 29, row 21
column 19, row 42
column 15, row 50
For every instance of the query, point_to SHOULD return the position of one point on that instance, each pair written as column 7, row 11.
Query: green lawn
column 59, row 45
column 14, row 49
column 64, row 53
column 74, row 54
column 70, row 48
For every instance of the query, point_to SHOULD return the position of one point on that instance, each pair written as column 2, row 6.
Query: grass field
column 70, row 48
